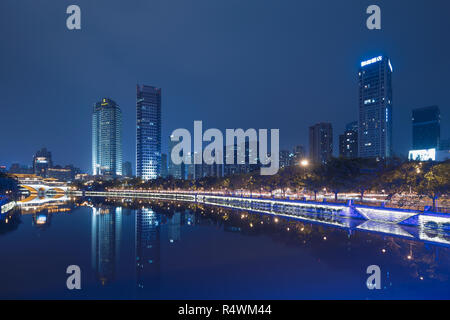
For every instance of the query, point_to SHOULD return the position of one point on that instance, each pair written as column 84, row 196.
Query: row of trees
column 339, row 175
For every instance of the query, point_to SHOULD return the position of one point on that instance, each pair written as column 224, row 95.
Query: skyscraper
column 250, row 162
column 148, row 132
column 348, row 141
column 321, row 142
column 426, row 126
column 107, row 138
column 42, row 161
column 177, row 171
column 375, row 108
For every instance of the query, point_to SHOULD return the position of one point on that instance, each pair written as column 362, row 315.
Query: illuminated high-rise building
column 148, row 132
column 177, row 171
column 348, row 141
column 321, row 142
column 107, row 138
column 42, row 161
column 375, row 108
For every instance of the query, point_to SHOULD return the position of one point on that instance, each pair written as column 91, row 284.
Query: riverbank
column 285, row 207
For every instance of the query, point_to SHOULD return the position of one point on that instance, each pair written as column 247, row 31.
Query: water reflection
column 105, row 242
column 148, row 252
column 164, row 243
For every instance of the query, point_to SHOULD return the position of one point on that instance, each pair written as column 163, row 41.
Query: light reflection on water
column 166, row 250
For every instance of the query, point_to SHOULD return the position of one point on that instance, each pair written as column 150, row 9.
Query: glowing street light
column 304, row 163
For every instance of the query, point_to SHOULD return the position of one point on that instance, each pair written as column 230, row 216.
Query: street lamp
column 304, row 163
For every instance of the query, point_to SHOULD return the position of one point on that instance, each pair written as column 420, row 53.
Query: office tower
column 426, row 128
column 42, row 161
column 236, row 167
column 148, row 132
column 107, row 138
column 127, row 169
column 348, row 141
column 176, row 171
column 321, row 142
column 375, row 108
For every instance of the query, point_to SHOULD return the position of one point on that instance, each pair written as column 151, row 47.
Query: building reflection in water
column 148, row 253
column 174, row 227
column 105, row 242
column 42, row 220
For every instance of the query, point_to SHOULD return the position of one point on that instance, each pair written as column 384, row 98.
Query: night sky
column 283, row 64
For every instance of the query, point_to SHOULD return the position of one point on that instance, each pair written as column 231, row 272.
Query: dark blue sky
column 237, row 63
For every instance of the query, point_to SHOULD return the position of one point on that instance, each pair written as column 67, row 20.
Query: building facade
column 42, row 161
column 348, row 141
column 164, row 167
column 375, row 108
column 250, row 162
column 321, row 142
column 426, row 128
column 177, row 171
column 107, row 138
column 285, row 158
column 127, row 169
column 148, row 132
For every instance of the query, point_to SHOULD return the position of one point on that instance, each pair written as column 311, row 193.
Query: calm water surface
column 131, row 249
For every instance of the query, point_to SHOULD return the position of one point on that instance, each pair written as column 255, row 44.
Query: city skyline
column 237, row 92
column 215, row 158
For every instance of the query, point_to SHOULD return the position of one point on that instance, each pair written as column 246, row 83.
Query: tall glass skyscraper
column 148, row 132
column 375, row 108
column 426, row 123
column 107, row 138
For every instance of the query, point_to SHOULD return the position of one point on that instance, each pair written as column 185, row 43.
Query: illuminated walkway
column 291, row 208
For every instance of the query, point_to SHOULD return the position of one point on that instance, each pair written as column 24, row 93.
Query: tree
column 366, row 178
column 435, row 182
column 315, row 181
column 338, row 174
column 398, row 177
